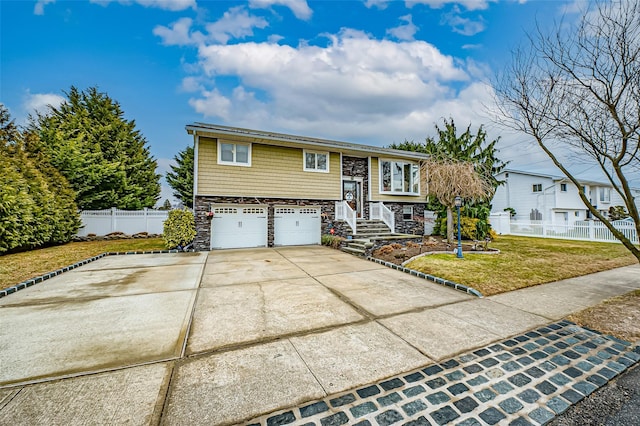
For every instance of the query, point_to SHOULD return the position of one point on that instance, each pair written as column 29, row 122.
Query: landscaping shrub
column 37, row 206
column 332, row 241
column 470, row 228
column 384, row 250
column 179, row 228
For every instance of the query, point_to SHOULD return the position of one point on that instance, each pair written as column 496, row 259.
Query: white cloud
column 406, row 31
column 38, row 9
column 355, row 88
column 39, row 102
column 178, row 33
column 212, row 104
column 380, row 4
column 300, row 8
column 235, row 23
column 575, row 7
column 275, row 38
column 464, row 26
column 172, row 5
column 438, row 4
column 191, row 84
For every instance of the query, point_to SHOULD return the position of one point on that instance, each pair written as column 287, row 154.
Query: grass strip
column 18, row 267
column 524, row 262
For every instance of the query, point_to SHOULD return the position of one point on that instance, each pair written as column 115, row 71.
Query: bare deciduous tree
column 577, row 90
column 446, row 179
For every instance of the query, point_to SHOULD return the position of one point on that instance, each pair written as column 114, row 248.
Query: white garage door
column 238, row 226
column 295, row 226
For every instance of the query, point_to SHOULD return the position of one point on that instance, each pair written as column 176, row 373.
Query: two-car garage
column 242, row 226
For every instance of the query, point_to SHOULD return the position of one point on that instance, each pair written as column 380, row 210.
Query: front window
column 537, row 187
column 232, row 153
column 316, row 161
column 605, row 195
column 563, row 187
column 399, row 177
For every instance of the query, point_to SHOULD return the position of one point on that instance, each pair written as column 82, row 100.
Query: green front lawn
column 18, row 267
column 524, row 262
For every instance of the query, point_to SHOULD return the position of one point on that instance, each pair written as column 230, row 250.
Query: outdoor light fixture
column 458, row 202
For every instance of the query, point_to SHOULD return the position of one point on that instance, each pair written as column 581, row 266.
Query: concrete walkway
column 255, row 334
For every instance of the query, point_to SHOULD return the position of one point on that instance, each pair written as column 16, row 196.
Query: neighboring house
column 555, row 199
column 254, row 188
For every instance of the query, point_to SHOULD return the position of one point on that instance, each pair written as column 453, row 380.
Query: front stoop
column 371, row 228
column 357, row 246
column 370, row 232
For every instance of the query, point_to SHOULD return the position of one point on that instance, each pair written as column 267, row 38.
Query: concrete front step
column 355, row 251
column 388, row 236
column 382, row 230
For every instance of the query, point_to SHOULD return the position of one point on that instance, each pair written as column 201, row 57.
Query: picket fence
column 588, row 230
column 103, row 222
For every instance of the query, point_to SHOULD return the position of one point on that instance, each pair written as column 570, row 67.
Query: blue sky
column 373, row 71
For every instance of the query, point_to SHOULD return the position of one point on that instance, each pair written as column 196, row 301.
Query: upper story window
column 605, row 195
column 563, row 187
column 537, row 187
column 398, row 177
column 234, row 153
column 316, row 161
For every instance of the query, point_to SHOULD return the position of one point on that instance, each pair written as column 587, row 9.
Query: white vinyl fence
column 103, row 222
column 588, row 230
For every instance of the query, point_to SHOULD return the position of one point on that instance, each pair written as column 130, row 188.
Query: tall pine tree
column 180, row 179
column 466, row 147
column 102, row 155
column 37, row 205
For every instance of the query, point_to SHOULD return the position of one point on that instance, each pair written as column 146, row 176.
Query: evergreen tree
column 466, row 147
column 181, row 176
column 102, row 155
column 36, row 203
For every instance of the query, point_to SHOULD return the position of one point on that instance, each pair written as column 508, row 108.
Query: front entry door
column 352, row 194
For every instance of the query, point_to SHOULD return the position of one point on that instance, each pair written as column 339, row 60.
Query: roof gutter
column 194, row 129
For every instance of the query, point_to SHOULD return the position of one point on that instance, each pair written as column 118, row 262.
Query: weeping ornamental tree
column 446, row 179
column 468, row 147
column 576, row 92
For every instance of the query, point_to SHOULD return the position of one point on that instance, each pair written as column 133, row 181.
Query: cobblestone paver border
column 44, row 277
column 524, row 380
column 433, row 278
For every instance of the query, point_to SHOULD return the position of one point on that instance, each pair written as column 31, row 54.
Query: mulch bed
column 398, row 253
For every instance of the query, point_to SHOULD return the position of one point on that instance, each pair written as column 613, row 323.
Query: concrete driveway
column 226, row 336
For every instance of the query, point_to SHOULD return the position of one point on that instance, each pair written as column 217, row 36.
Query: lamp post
column 458, row 203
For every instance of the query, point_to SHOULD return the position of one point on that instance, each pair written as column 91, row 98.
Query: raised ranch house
column 554, row 199
column 260, row 189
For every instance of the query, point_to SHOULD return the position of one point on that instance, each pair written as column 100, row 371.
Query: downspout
column 196, row 144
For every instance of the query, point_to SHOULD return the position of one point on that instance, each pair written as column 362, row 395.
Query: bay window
column 398, row 177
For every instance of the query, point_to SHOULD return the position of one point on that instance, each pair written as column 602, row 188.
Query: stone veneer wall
column 203, row 223
column 358, row 167
column 412, row 227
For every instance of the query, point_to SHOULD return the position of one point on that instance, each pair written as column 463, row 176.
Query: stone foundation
column 411, row 227
column 203, row 223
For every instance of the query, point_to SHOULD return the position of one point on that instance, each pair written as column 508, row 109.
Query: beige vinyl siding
column 275, row 172
column 375, row 185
